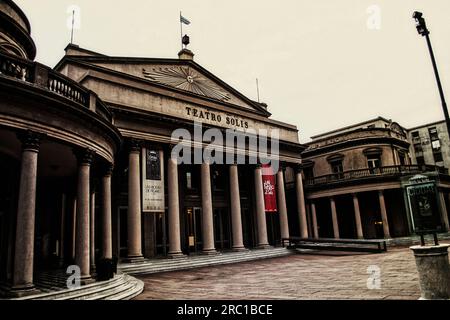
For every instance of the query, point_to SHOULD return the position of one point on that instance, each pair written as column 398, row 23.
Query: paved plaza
column 390, row 275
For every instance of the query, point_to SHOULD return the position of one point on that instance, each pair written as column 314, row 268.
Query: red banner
column 268, row 179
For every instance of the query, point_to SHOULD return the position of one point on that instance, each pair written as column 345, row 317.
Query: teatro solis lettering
column 215, row 117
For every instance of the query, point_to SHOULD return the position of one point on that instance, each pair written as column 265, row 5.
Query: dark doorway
column 247, row 228
column 222, row 229
column 194, row 238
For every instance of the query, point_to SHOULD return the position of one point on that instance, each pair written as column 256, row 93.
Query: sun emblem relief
column 186, row 78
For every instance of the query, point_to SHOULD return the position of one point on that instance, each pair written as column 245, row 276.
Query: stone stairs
column 166, row 265
column 53, row 287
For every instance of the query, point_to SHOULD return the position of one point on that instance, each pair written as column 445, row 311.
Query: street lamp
column 424, row 32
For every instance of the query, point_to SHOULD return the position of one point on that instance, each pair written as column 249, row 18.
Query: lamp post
column 424, row 32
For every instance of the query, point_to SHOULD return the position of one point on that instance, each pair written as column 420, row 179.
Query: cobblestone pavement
column 301, row 276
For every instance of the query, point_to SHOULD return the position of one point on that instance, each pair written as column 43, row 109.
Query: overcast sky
column 319, row 65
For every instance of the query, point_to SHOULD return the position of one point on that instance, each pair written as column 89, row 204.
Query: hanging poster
column 270, row 199
column 153, row 180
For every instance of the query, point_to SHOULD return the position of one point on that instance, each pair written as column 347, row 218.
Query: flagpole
column 181, row 25
column 73, row 24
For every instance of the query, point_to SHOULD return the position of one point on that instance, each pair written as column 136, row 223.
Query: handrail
column 373, row 172
column 47, row 78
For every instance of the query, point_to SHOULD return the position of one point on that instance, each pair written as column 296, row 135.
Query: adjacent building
column 355, row 177
column 430, row 144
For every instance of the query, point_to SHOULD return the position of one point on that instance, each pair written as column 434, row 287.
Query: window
column 402, row 158
column 418, row 148
column 373, row 163
column 437, row 156
column 436, row 145
column 420, row 160
column 189, row 180
column 337, row 168
column 309, row 173
column 192, row 182
column 433, row 134
column 415, row 134
column 218, row 179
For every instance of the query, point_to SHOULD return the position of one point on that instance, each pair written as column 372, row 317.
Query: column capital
column 84, row 156
column 298, row 168
column 107, row 169
column 30, row 140
column 282, row 166
column 135, row 145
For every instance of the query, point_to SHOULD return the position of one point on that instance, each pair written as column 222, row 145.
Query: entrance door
column 222, row 230
column 194, row 229
column 247, row 228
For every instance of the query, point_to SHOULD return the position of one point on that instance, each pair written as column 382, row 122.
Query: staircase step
column 167, row 265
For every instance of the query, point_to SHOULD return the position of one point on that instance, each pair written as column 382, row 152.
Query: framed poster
column 423, row 204
column 152, row 180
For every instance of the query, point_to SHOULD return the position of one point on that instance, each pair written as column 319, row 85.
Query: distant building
column 430, row 144
column 354, row 179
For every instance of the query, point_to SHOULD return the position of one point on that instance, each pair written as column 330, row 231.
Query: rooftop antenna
column 257, row 88
column 73, row 25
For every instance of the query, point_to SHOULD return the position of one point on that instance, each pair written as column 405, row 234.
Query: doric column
column 24, row 250
column 384, row 217
column 207, row 210
column 301, row 203
column 73, row 230
column 92, row 229
column 444, row 213
column 314, row 221
column 359, row 230
column 334, row 218
column 174, row 209
column 62, row 229
column 263, row 241
column 236, row 219
column 134, row 203
column 282, row 210
column 107, row 213
column 82, row 239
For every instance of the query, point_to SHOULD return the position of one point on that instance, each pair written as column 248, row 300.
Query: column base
column 22, row 291
column 176, row 255
column 84, row 280
column 133, row 259
column 264, row 246
column 239, row 249
column 210, row 252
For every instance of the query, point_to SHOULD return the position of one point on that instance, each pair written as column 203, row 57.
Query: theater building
column 354, row 182
column 86, row 166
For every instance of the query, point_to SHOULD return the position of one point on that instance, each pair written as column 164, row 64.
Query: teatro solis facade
column 86, row 166
column 165, row 208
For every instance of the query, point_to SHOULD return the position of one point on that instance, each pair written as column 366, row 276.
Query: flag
column 270, row 200
column 184, row 20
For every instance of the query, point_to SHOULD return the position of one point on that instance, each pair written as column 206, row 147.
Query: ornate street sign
column 423, row 204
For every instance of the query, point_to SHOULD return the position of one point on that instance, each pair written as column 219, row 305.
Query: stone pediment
column 185, row 76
